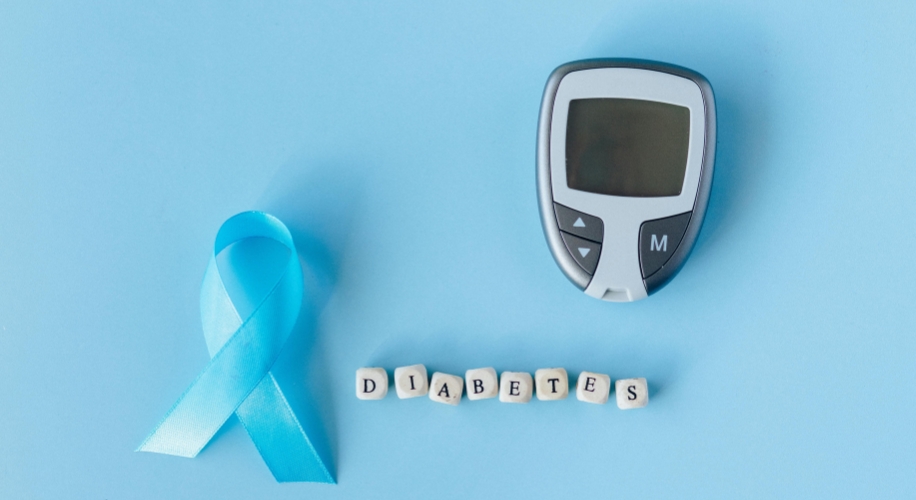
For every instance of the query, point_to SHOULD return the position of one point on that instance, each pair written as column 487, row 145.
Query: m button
column 658, row 239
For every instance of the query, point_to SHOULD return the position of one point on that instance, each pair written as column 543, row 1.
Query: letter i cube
column 411, row 381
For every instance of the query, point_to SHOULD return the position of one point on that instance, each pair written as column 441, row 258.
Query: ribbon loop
column 238, row 379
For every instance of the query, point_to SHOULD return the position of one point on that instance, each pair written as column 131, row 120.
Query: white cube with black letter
column 411, row 381
column 593, row 387
column 482, row 383
column 371, row 383
column 551, row 384
column 632, row 393
column 445, row 388
column 515, row 387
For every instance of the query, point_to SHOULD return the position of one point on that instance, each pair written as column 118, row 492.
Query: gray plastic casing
column 595, row 286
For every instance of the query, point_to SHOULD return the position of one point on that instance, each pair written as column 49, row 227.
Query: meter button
column 582, row 225
column 658, row 239
column 583, row 251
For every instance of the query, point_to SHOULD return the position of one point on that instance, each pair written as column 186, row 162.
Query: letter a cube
column 445, row 388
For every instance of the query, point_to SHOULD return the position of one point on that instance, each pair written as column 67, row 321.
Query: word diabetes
column 549, row 384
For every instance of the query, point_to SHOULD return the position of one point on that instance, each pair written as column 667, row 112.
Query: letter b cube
column 482, row 383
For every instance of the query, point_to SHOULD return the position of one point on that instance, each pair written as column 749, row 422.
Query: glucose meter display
column 626, row 147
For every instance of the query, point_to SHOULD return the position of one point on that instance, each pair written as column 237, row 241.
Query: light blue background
column 398, row 140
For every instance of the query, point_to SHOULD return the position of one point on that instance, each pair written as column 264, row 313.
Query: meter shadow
column 727, row 46
column 316, row 201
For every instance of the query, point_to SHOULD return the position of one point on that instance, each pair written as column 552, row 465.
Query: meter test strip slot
column 626, row 228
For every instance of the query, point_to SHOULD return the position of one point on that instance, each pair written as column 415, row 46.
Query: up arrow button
column 579, row 224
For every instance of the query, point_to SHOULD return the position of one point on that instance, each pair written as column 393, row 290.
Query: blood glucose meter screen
column 626, row 147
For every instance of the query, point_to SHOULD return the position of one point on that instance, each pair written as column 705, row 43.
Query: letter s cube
column 632, row 393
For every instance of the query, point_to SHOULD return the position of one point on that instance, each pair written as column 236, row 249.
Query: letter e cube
column 515, row 387
column 593, row 387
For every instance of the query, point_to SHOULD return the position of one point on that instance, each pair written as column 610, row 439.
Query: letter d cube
column 371, row 383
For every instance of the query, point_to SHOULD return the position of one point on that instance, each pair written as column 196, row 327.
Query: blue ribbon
column 238, row 379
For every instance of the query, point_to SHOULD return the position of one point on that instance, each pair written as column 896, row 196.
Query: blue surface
column 397, row 141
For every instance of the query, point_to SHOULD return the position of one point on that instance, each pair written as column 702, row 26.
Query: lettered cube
column 371, row 383
column 411, row 381
column 632, row 393
column 515, row 387
column 593, row 387
column 445, row 388
column 551, row 384
column 482, row 383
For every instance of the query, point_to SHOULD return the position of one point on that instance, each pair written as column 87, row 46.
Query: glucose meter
column 624, row 166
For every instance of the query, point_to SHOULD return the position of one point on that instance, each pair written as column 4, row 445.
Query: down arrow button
column 583, row 251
